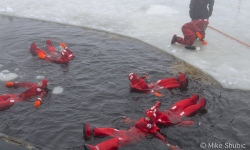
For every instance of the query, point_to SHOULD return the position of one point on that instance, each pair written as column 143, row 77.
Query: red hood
column 133, row 79
column 49, row 43
column 151, row 115
column 45, row 83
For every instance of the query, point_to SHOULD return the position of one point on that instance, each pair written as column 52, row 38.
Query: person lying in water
column 39, row 89
column 184, row 108
column 63, row 56
column 175, row 114
column 140, row 85
column 142, row 128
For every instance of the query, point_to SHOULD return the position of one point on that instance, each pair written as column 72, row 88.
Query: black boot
column 174, row 39
column 190, row 47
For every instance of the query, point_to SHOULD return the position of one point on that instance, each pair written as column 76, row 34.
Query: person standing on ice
column 200, row 9
column 39, row 89
column 191, row 31
column 64, row 56
column 145, row 126
column 139, row 84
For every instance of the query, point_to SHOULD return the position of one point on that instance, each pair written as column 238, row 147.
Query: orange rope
column 229, row 36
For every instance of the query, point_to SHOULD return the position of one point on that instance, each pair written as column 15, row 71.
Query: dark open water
column 96, row 89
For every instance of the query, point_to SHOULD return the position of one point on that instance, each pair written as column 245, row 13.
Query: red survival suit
column 190, row 31
column 145, row 126
column 183, row 108
column 64, row 57
column 7, row 100
column 139, row 84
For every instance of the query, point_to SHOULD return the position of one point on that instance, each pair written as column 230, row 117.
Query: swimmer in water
column 39, row 89
column 64, row 56
column 140, row 85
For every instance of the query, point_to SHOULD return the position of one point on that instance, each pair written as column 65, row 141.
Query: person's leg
column 4, row 97
column 6, row 104
column 190, row 110
column 181, row 82
column 169, row 83
column 50, row 47
column 35, row 50
column 86, row 131
column 179, row 106
column 33, row 47
column 101, row 131
column 108, row 132
column 189, row 37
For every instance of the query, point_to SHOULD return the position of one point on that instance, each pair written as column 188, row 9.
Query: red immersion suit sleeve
column 156, row 105
column 23, row 84
column 161, row 137
column 42, row 94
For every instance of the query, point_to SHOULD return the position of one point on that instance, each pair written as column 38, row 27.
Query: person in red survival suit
column 139, row 84
column 191, row 31
column 181, row 109
column 145, row 126
column 7, row 100
column 64, row 56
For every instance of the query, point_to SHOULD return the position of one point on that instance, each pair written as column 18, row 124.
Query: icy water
column 96, row 89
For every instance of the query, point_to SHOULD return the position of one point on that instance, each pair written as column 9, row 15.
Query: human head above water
column 132, row 78
column 49, row 43
column 150, row 116
column 43, row 84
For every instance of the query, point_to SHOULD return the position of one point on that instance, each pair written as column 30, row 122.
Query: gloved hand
column 63, row 45
column 173, row 147
column 41, row 55
column 204, row 42
column 158, row 94
column 9, row 84
column 37, row 103
column 199, row 35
